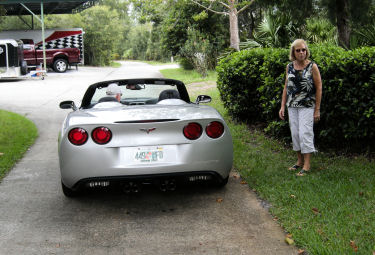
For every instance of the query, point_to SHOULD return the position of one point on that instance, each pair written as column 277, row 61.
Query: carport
column 38, row 8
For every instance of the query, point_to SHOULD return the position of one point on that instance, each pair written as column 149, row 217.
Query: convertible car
column 150, row 134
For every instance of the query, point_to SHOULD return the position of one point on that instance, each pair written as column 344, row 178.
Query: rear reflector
column 101, row 135
column 77, row 136
column 215, row 129
column 196, row 178
column 192, row 131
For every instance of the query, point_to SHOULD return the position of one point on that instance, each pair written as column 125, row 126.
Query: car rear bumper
column 207, row 177
column 77, row 163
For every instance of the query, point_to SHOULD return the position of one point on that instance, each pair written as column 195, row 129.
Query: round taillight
column 101, row 135
column 192, row 131
column 77, row 136
column 215, row 129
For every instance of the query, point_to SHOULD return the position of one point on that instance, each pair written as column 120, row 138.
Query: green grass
column 158, row 63
column 17, row 134
column 115, row 64
column 151, row 62
column 187, row 76
column 329, row 211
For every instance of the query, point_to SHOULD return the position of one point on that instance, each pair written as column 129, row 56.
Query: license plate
column 149, row 155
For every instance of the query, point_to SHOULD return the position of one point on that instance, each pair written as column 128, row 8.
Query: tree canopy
column 185, row 29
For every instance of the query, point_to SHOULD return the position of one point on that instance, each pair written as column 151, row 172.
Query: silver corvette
column 150, row 134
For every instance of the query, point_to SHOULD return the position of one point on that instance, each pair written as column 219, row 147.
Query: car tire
column 60, row 65
column 24, row 67
column 69, row 192
column 222, row 183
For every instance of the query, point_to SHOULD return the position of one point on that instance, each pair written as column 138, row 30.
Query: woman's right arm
column 283, row 98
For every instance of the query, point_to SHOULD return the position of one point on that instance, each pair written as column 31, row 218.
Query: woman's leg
column 306, row 162
column 294, row 130
column 306, row 132
column 300, row 159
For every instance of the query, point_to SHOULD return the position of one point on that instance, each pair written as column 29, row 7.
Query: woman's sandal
column 303, row 172
column 294, row 168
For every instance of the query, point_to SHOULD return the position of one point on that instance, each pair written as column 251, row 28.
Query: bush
column 198, row 51
column 185, row 64
column 251, row 83
column 239, row 77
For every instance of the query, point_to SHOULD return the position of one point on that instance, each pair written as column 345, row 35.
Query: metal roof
column 14, row 7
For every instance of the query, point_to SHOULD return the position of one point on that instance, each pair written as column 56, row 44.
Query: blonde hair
column 297, row 42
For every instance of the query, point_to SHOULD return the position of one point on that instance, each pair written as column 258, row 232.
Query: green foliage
column 101, row 26
column 50, row 22
column 128, row 54
column 137, row 41
column 358, row 9
column 366, row 35
column 197, row 50
column 238, row 79
column 320, row 30
column 184, row 15
column 276, row 30
column 185, row 63
column 188, row 76
column 251, row 83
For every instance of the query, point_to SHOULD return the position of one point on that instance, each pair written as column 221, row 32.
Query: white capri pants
column 301, row 122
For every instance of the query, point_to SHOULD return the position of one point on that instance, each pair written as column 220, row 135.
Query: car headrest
column 168, row 94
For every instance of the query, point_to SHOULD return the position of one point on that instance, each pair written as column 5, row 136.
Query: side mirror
column 68, row 105
column 203, row 99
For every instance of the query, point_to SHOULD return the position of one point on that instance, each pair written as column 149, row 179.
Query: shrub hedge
column 251, row 83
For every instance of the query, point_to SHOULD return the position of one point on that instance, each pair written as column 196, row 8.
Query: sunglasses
column 299, row 50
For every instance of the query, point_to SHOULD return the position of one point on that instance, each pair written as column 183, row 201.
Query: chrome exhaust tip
column 167, row 185
column 131, row 187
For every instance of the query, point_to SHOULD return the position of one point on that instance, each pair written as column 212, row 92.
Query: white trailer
column 12, row 64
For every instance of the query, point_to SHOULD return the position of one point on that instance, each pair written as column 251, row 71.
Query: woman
column 302, row 95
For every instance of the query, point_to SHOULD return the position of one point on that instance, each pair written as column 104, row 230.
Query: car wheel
column 24, row 67
column 69, row 192
column 60, row 65
column 222, row 183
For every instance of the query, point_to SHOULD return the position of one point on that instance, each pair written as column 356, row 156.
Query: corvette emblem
column 147, row 130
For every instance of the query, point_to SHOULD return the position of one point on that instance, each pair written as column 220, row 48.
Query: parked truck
column 58, row 59
column 64, row 47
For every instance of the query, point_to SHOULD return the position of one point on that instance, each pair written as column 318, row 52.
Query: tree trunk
column 343, row 22
column 233, row 27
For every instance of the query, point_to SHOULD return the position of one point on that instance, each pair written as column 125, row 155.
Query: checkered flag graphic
column 73, row 41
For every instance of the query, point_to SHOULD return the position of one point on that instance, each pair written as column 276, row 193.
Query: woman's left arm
column 318, row 88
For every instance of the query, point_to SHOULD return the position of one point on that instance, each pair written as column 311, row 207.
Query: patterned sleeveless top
column 300, row 87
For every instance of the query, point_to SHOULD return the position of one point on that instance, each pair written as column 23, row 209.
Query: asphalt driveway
column 36, row 218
